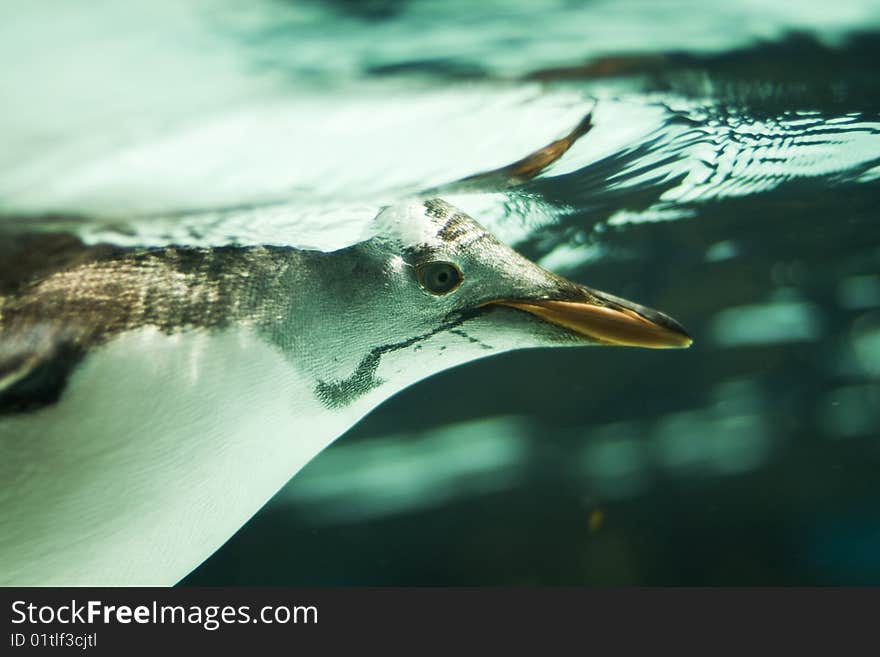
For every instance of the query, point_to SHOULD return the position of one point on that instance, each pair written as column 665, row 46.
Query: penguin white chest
column 160, row 448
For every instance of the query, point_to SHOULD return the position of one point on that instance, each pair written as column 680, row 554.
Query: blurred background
column 732, row 180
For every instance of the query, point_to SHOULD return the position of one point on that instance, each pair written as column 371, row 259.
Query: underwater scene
column 717, row 162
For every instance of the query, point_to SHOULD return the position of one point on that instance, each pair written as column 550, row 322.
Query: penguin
column 152, row 400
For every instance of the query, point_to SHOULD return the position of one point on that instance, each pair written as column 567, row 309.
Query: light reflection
column 859, row 292
column 728, row 436
column 767, row 323
column 614, row 461
column 566, row 257
column 720, row 251
column 616, row 468
column 653, row 215
column 699, row 443
column 732, row 154
column 866, row 345
column 405, row 472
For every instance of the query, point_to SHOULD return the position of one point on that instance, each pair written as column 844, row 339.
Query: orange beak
column 618, row 323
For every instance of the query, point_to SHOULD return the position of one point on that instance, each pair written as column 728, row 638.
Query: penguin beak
column 605, row 319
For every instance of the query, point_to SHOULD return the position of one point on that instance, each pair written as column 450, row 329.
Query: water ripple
column 704, row 152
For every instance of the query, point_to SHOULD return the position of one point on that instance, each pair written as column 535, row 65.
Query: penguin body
column 152, row 400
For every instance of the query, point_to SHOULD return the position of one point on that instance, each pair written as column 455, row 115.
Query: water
column 732, row 179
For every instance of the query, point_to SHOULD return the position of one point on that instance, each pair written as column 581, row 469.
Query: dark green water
column 750, row 213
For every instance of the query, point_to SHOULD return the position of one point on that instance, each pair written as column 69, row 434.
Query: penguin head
column 434, row 290
column 447, row 273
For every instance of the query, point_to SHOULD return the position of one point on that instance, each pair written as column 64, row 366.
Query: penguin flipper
column 523, row 169
column 36, row 357
column 34, row 369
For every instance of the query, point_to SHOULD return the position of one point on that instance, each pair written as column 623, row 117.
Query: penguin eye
column 439, row 277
